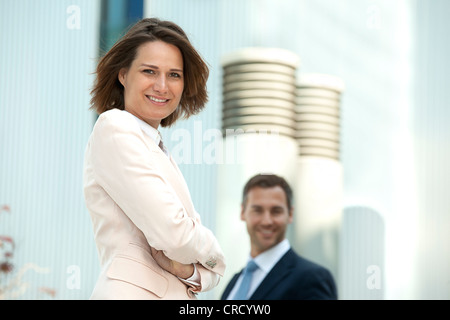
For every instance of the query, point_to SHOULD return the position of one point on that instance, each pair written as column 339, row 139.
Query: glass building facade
column 392, row 57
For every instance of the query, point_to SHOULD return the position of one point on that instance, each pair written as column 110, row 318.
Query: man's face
column 267, row 216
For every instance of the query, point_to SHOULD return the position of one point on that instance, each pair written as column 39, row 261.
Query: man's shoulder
column 303, row 263
column 302, row 278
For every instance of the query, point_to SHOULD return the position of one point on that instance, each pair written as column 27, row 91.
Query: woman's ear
column 121, row 76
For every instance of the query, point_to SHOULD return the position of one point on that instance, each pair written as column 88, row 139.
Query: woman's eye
column 149, row 71
column 175, row 75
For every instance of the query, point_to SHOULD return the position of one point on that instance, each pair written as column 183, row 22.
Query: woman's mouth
column 157, row 100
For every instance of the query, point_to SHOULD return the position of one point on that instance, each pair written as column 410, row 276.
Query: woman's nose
column 160, row 84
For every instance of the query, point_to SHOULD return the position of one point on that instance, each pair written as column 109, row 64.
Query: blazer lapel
column 172, row 174
column 184, row 193
column 282, row 268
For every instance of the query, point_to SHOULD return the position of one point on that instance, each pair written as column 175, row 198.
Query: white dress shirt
column 265, row 261
column 155, row 135
column 151, row 132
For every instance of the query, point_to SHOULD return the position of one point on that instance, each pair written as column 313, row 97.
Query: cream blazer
column 137, row 198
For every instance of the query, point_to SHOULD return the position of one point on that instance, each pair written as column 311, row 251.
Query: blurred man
column 274, row 270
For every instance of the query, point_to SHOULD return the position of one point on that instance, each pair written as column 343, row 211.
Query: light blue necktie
column 242, row 292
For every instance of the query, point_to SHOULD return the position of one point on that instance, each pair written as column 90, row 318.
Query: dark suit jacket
column 293, row 278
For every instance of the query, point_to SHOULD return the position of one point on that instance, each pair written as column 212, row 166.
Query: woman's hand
column 183, row 271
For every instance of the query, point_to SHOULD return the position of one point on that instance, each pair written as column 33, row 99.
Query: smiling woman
column 150, row 239
column 153, row 84
column 108, row 91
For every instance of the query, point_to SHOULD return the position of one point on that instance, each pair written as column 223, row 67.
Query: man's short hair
column 268, row 181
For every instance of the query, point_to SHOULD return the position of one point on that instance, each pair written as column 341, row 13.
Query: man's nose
column 266, row 218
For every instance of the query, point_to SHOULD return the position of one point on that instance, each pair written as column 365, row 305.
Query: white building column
column 319, row 183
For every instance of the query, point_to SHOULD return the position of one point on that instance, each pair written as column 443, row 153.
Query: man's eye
column 277, row 211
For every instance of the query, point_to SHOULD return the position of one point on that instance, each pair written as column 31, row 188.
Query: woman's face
column 154, row 83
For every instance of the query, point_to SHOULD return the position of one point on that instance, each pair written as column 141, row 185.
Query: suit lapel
column 184, row 194
column 230, row 286
column 273, row 278
column 171, row 173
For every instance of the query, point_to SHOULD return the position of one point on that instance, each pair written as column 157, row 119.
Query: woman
column 150, row 240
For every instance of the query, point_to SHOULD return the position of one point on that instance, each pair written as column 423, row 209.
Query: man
column 280, row 274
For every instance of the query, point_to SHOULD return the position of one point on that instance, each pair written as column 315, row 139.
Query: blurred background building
column 392, row 242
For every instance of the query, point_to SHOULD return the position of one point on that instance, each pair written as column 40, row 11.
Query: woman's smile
column 156, row 100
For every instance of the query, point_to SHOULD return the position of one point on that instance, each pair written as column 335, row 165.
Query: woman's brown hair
column 107, row 92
